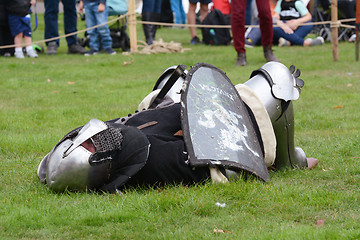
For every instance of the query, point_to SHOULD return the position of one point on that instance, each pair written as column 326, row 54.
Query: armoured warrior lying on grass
column 193, row 127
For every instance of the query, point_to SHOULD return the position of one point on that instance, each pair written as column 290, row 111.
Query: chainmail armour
column 108, row 140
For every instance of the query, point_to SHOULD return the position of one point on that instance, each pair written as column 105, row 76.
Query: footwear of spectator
column 76, row 49
column 352, row 38
column 249, row 43
column 19, row 54
column 241, row 60
column 195, row 40
column 91, row 52
column 317, row 41
column 283, row 42
column 110, row 51
column 31, row 53
column 51, row 48
column 269, row 54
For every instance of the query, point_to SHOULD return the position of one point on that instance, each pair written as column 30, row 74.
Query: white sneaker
column 352, row 38
column 283, row 42
column 19, row 54
column 317, row 41
column 31, row 53
column 321, row 39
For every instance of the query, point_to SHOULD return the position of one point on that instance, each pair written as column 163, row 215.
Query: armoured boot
column 241, row 59
column 269, row 55
column 287, row 155
column 148, row 28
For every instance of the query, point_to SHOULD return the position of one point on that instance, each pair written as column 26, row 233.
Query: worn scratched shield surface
column 216, row 124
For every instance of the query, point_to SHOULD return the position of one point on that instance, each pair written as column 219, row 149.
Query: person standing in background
column 248, row 12
column 5, row 34
column 178, row 10
column 70, row 25
column 224, row 7
column 191, row 17
column 96, row 14
column 151, row 12
column 20, row 27
column 238, row 9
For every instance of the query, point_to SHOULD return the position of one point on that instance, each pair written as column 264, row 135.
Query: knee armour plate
column 275, row 85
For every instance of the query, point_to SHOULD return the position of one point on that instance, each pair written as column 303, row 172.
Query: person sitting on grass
column 289, row 15
column 96, row 14
column 253, row 34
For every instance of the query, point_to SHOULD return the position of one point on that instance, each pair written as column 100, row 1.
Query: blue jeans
column 51, row 19
column 255, row 34
column 297, row 38
column 178, row 10
column 93, row 18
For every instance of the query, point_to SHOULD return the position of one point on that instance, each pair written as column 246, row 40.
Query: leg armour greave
column 276, row 86
column 287, row 155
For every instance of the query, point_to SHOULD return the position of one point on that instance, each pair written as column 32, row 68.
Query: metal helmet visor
column 69, row 165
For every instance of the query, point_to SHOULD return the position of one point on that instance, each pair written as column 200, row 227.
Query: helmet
column 71, row 166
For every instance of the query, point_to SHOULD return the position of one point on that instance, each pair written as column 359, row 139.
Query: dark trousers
column 51, row 19
column 238, row 9
column 5, row 34
column 6, row 39
column 152, row 6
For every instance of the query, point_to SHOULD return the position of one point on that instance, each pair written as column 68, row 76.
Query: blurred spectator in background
column 20, row 27
column 191, row 17
column 289, row 15
column 253, row 34
column 224, row 7
column 238, row 8
column 178, row 11
column 96, row 14
column 5, row 34
column 70, row 23
column 249, row 12
column 166, row 14
column 151, row 12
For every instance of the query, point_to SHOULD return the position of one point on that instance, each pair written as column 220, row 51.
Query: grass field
column 42, row 99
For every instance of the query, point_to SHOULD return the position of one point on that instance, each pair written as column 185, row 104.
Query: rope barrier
column 229, row 26
column 332, row 25
column 69, row 34
column 335, row 24
column 347, row 26
column 161, row 47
